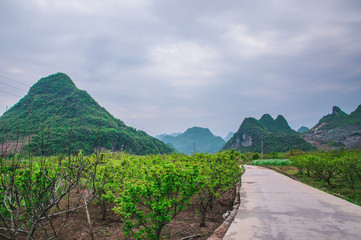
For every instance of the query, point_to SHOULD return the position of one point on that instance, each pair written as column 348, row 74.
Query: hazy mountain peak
column 303, row 129
column 195, row 139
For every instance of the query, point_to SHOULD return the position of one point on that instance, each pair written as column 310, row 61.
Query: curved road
column 274, row 206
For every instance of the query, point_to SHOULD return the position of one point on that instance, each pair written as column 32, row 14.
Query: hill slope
column 303, row 129
column 200, row 139
column 276, row 134
column 60, row 118
column 229, row 135
column 336, row 130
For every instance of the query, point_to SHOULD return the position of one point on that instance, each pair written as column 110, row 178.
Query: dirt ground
column 185, row 224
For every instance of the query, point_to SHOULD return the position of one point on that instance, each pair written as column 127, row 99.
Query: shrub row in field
column 327, row 166
column 271, row 162
column 148, row 191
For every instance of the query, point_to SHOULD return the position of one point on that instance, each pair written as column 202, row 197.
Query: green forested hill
column 339, row 118
column 200, row 139
column 60, row 118
column 336, row 130
column 276, row 134
column 336, row 119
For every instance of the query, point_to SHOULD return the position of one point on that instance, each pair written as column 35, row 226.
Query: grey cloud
column 164, row 66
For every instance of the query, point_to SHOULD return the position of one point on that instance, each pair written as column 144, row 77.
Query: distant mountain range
column 56, row 117
column 161, row 136
column 303, row 129
column 229, row 135
column 266, row 135
column 336, row 130
column 195, row 139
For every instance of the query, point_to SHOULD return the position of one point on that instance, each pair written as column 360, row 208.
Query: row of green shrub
column 147, row 191
column 328, row 166
column 271, row 162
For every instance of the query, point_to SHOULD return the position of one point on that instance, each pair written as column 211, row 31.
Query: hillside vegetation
column 267, row 134
column 56, row 117
column 336, row 130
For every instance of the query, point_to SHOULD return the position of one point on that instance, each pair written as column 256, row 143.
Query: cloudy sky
column 163, row 66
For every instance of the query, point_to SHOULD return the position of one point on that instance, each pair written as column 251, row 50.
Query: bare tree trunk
column 88, row 217
column 103, row 208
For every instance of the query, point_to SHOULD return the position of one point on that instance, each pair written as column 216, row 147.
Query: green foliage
column 329, row 165
column 271, row 162
column 349, row 167
column 152, row 190
column 156, row 198
column 60, row 118
column 220, row 172
column 275, row 135
column 148, row 191
column 336, row 172
column 255, row 156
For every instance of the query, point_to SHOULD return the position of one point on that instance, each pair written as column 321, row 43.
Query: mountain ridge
column 58, row 117
column 336, row 130
column 266, row 135
column 195, row 139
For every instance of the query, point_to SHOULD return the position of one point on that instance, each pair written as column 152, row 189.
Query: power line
column 14, row 80
column 12, row 86
column 10, row 93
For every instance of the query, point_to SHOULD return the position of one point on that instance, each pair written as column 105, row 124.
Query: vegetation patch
column 144, row 194
column 337, row 172
column 271, row 162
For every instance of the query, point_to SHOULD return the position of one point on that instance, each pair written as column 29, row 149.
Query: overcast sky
column 163, row 66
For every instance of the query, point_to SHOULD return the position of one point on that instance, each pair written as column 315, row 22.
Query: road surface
column 274, row 206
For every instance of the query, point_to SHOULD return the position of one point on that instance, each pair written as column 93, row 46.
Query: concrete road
column 277, row 207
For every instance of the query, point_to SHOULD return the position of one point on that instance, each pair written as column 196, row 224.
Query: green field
column 271, row 162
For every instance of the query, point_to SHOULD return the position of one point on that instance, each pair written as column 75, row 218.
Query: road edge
column 219, row 233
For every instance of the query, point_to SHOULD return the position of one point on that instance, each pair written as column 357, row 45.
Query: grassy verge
column 338, row 188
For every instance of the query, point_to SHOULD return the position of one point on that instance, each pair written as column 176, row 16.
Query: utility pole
column 194, row 148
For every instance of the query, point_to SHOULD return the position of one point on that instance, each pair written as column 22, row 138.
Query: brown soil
column 185, row 224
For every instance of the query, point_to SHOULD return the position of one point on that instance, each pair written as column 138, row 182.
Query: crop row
column 37, row 196
column 271, row 162
column 330, row 165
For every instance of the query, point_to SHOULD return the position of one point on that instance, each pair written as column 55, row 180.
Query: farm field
column 116, row 196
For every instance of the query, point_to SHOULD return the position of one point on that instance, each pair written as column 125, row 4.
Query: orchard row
column 39, row 195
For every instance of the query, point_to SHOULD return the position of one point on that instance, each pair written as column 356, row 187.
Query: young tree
column 149, row 203
column 31, row 191
column 219, row 172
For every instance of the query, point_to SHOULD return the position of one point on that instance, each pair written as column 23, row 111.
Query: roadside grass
column 338, row 188
column 271, row 162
